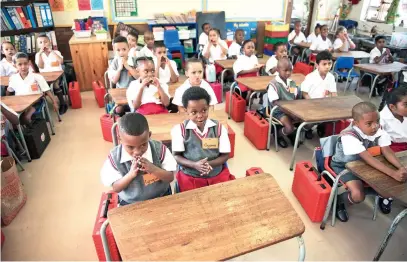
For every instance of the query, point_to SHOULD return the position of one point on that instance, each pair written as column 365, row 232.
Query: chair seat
column 345, row 74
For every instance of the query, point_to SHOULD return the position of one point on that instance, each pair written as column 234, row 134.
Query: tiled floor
column 64, row 188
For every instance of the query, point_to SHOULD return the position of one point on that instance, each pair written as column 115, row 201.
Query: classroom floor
column 64, row 190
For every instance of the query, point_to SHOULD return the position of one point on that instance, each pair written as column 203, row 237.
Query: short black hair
column 317, row 26
column 133, row 33
column 379, row 37
column 297, row 22
column 324, row 55
column 362, row 108
column 42, row 35
column 395, row 95
column 216, row 30
column 19, row 55
column 322, row 26
column 133, row 124
column 195, row 93
column 7, row 42
column 142, row 59
column 239, row 30
column 192, row 61
column 247, row 41
column 203, row 25
column 277, row 45
column 159, row 45
column 120, row 39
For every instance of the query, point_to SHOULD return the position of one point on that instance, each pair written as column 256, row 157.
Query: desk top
column 228, row 64
column 383, row 184
column 161, row 125
column 20, row 103
column 217, row 222
column 260, row 83
column 354, row 54
column 119, row 94
column 49, row 77
column 322, row 109
column 88, row 40
column 383, row 69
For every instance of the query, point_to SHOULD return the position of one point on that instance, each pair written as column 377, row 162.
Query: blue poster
column 250, row 29
column 97, row 4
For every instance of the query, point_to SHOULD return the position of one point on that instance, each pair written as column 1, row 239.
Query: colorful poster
column 71, row 5
column 249, row 28
column 84, row 4
column 97, row 4
column 56, row 5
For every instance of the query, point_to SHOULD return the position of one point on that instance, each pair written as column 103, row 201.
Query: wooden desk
column 378, row 70
column 354, row 54
column 49, row 77
column 20, row 103
column 217, row 222
column 384, row 186
column 311, row 111
column 90, row 59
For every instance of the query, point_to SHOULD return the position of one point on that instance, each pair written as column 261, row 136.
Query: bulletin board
column 250, row 10
column 249, row 28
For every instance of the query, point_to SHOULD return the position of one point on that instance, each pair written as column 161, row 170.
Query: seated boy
column 139, row 168
column 49, row 60
column 147, row 95
column 165, row 69
column 280, row 51
column 296, row 37
column 203, row 37
column 200, row 145
column 132, row 39
column 28, row 83
column 283, row 88
column 363, row 139
column 380, row 55
column 194, row 72
column 148, row 49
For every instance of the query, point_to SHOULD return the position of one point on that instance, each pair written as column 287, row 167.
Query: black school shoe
column 385, row 205
column 341, row 213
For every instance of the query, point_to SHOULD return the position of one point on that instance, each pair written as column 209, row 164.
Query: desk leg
column 51, row 122
column 275, row 130
column 106, row 100
column 56, row 109
column 250, row 99
column 114, row 134
column 301, row 256
column 297, row 140
column 230, row 98
column 20, row 131
column 390, row 232
column 373, row 86
column 104, row 240
column 332, row 198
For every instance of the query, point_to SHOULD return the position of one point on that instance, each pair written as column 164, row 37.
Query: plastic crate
column 268, row 52
column 276, row 34
column 269, row 47
column 274, row 41
column 178, row 62
column 278, row 27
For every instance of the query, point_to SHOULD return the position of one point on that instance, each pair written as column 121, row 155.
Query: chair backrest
column 302, row 68
column 10, row 114
column 344, row 63
column 171, row 38
column 328, row 145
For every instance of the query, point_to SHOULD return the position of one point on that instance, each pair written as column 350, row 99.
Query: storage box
column 82, row 33
column 278, row 27
column 273, row 41
column 158, row 36
column 192, row 33
column 183, row 34
column 256, row 129
column 101, row 35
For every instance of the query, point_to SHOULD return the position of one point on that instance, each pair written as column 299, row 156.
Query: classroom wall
column 65, row 18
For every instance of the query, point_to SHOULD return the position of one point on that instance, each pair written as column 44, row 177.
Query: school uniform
column 7, row 68
column 179, row 92
column 192, row 143
column 298, row 38
column 125, row 76
column 150, row 100
column 165, row 74
column 320, row 44
column 32, row 84
column 278, row 90
column 351, row 142
column 143, row 186
column 244, row 62
column 271, row 63
column 134, row 52
column 397, row 130
column 51, row 63
column 234, row 49
column 316, row 87
column 338, row 43
column 145, row 51
column 311, row 37
column 215, row 52
column 376, row 53
column 203, row 39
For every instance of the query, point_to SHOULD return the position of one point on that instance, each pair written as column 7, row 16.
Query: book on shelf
column 25, row 17
column 27, row 43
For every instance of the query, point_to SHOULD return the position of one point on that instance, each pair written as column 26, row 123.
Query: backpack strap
column 162, row 153
column 182, row 126
column 112, row 161
column 352, row 133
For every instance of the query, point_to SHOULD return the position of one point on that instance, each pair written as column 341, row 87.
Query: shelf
column 21, row 3
column 26, row 31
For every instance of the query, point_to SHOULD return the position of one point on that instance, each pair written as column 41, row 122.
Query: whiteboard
column 147, row 8
column 249, row 10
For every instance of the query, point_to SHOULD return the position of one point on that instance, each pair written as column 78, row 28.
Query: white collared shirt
column 133, row 52
column 109, row 174
column 203, row 39
column 32, row 84
column 397, row 130
column 272, row 90
column 244, row 62
column 145, row 51
column 7, row 68
column 150, row 93
column 376, row 53
column 51, row 63
column 271, row 63
column 316, row 87
column 311, row 37
column 165, row 74
column 338, row 43
column 320, row 45
column 300, row 37
column 234, row 49
column 215, row 53
column 178, row 139
column 179, row 92
column 352, row 145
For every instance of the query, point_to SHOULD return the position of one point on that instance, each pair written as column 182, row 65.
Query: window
column 377, row 10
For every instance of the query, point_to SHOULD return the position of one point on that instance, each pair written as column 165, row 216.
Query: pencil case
column 217, row 89
column 106, row 123
column 99, row 91
column 75, row 95
column 254, row 171
column 238, row 107
column 256, row 129
column 232, row 139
